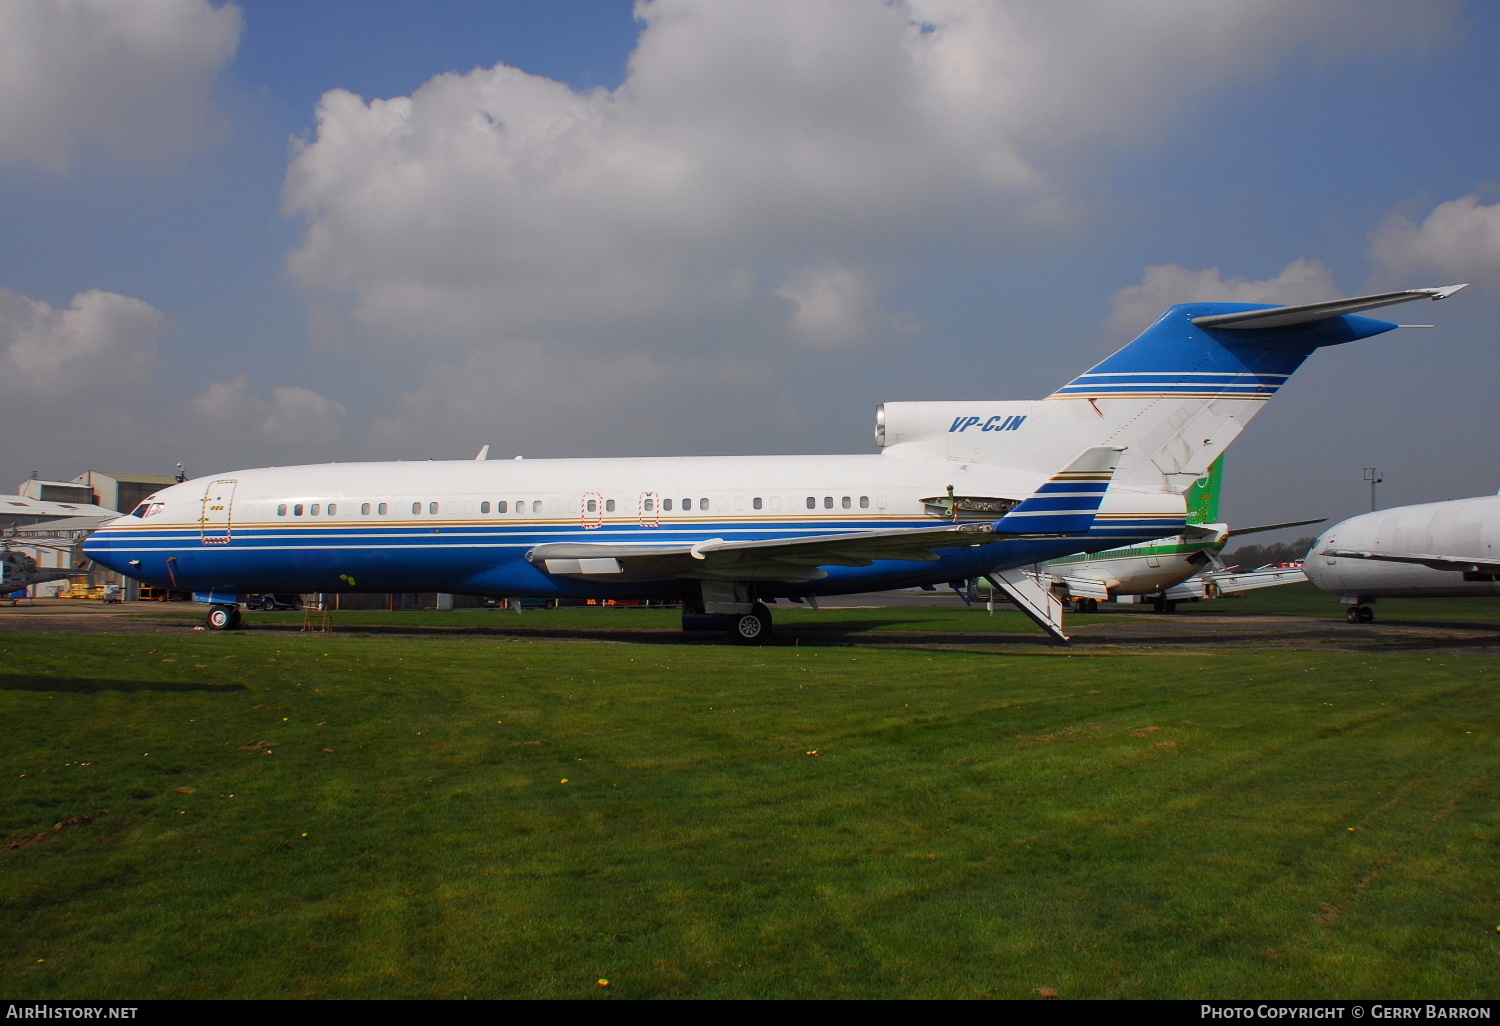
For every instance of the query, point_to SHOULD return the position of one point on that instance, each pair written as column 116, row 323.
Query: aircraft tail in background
column 1204, row 494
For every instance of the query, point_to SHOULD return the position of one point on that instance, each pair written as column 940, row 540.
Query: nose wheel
column 1360, row 614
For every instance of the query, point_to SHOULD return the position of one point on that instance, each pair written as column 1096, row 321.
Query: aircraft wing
column 1233, row 583
column 1457, row 564
column 1086, row 587
column 1211, row 532
column 1064, row 505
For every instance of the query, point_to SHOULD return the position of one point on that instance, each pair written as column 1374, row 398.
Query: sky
column 273, row 232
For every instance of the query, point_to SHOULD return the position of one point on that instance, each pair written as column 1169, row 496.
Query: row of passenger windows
column 648, row 505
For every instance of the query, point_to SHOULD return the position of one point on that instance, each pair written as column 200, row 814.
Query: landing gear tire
column 223, row 618
column 752, row 628
column 1089, row 606
column 1360, row 614
column 1165, row 605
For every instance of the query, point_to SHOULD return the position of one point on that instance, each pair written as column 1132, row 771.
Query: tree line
column 1248, row 557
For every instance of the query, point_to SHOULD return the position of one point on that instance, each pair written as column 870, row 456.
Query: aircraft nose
column 1318, row 567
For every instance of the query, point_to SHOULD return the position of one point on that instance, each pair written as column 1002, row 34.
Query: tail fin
column 1203, row 496
column 1174, row 398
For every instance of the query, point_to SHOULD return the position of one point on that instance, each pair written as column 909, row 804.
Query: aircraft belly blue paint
column 487, row 561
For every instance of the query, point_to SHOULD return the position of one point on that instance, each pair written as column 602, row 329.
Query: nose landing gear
column 1360, row 614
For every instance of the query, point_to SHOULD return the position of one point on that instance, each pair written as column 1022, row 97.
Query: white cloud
column 1135, row 307
column 1459, row 239
column 101, row 338
column 293, row 417
column 784, row 133
column 831, row 304
column 132, row 76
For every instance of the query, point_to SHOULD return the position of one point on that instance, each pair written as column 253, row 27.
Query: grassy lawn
column 1289, row 600
column 381, row 817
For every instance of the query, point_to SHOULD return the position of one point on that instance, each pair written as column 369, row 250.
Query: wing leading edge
column 1065, row 505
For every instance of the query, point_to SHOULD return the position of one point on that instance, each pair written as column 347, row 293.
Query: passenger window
column 381, row 509
column 297, row 510
column 864, row 502
column 432, row 507
column 650, row 505
column 333, row 508
column 666, row 504
column 756, row 503
column 536, row 505
column 703, row 504
column 609, row 505
column 812, row 503
column 484, row 507
column 314, row 509
column 593, row 506
column 775, row 502
column 416, row 507
column 687, row 503
column 281, row 510
column 828, row 502
column 501, row 507
column 364, row 509
column 846, row 502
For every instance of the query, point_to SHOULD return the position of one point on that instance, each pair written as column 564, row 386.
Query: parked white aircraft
column 1434, row 550
column 1183, row 568
column 961, row 490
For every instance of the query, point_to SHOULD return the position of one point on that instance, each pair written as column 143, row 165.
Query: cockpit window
column 148, row 509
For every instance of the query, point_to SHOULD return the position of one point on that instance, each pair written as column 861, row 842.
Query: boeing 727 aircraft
column 960, row 490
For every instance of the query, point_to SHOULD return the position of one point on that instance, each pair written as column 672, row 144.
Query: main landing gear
column 1162, row 604
column 752, row 628
column 1360, row 614
column 222, row 617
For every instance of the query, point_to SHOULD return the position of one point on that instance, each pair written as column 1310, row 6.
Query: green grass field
column 387, row 817
column 1289, row 600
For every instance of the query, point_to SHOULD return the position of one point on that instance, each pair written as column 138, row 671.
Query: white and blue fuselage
column 467, row 526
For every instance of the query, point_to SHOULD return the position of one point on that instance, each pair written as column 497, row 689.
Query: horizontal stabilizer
column 1273, row 527
column 1286, row 316
column 1456, row 564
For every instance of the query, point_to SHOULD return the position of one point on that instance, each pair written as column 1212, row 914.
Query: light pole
column 1372, row 475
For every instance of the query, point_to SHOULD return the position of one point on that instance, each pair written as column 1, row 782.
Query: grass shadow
column 89, row 685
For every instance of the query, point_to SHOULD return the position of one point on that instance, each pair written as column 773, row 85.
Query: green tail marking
column 1203, row 496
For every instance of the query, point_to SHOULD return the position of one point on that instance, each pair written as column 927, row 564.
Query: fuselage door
column 592, row 508
column 217, row 518
column 650, row 509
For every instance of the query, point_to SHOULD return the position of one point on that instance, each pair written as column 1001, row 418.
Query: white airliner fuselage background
column 1465, row 532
